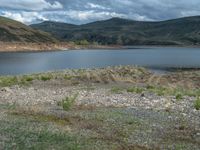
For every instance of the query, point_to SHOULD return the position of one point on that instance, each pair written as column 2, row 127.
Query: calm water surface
column 26, row 63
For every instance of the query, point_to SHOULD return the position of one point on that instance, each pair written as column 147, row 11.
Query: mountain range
column 115, row 31
column 182, row 31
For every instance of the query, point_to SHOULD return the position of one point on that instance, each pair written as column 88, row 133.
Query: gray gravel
column 98, row 96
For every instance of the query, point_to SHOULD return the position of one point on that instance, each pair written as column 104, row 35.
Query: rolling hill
column 13, row 31
column 182, row 31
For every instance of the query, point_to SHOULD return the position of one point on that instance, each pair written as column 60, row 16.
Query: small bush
column 68, row 77
column 160, row 91
column 45, row 78
column 150, row 87
column 29, row 79
column 82, row 42
column 68, row 102
column 116, row 90
column 197, row 104
column 135, row 90
column 179, row 96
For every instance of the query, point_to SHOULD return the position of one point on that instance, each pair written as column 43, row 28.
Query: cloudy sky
column 84, row 11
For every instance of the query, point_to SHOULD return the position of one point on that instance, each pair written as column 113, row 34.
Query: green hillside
column 13, row 31
column 183, row 31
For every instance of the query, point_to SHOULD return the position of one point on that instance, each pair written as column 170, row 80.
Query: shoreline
column 64, row 46
column 48, row 47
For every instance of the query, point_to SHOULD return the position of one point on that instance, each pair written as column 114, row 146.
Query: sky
column 84, row 11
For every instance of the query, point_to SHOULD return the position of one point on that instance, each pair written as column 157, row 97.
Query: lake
column 158, row 58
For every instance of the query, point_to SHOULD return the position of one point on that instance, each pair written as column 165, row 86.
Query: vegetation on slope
column 183, row 31
column 13, row 31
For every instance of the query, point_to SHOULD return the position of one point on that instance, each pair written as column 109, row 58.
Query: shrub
column 135, row 90
column 82, row 42
column 116, row 90
column 68, row 77
column 29, row 79
column 149, row 87
column 68, row 102
column 45, row 78
column 179, row 96
column 197, row 104
column 160, row 91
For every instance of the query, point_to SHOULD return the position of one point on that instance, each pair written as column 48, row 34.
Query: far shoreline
column 49, row 47
column 65, row 46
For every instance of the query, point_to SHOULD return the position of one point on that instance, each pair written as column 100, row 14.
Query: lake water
column 158, row 58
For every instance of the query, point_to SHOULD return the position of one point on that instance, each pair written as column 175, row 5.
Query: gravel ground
column 95, row 95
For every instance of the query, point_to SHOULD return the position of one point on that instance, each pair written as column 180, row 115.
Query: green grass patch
column 68, row 77
column 28, row 78
column 116, row 90
column 20, row 134
column 197, row 104
column 179, row 93
column 99, row 128
column 8, row 81
column 179, row 96
column 42, row 117
column 46, row 78
column 135, row 90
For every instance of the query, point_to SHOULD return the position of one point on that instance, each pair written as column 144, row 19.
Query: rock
column 7, row 89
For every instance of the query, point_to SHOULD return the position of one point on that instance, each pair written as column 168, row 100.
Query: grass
column 42, row 117
column 45, row 77
column 8, row 81
column 177, row 92
column 99, row 128
column 68, row 102
column 68, row 77
column 197, row 104
column 179, row 96
column 28, row 78
column 77, row 129
column 20, row 134
column 135, row 90
column 117, row 90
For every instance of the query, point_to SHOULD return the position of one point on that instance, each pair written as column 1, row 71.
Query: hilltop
column 182, row 31
column 14, row 31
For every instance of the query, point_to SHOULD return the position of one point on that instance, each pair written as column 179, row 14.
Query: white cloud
column 25, row 17
column 91, row 14
column 96, row 6
column 33, row 5
column 139, row 17
column 28, row 17
column 190, row 13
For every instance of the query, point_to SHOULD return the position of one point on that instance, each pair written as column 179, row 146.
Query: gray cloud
column 83, row 11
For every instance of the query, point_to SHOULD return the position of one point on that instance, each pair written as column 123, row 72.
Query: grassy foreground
column 100, row 128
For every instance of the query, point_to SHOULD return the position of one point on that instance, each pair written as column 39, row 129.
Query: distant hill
column 13, row 31
column 183, row 31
